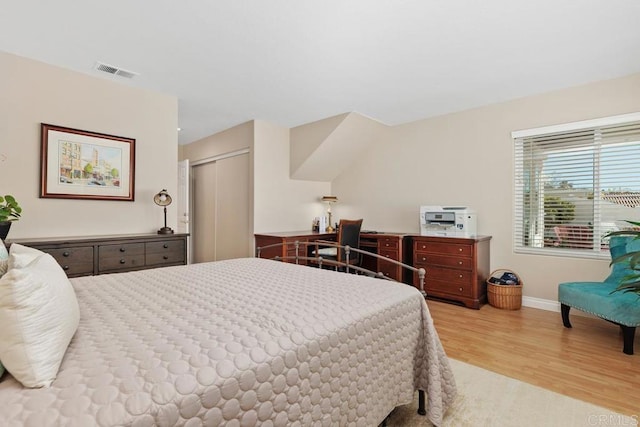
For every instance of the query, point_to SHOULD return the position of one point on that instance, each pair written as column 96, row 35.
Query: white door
column 184, row 198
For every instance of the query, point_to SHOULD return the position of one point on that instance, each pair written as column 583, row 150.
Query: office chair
column 348, row 235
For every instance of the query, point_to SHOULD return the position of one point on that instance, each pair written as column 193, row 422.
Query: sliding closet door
column 221, row 209
column 232, row 239
column 204, row 208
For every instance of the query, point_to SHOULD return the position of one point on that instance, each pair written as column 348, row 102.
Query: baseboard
column 542, row 304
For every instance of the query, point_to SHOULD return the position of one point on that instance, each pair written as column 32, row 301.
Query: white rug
column 489, row 399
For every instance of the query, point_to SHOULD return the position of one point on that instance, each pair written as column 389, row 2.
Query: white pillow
column 4, row 262
column 21, row 256
column 39, row 314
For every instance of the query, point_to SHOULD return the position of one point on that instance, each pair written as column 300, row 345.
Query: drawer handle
column 460, row 289
column 166, row 257
column 424, row 258
column 165, row 246
column 424, row 247
column 122, row 261
column 122, row 249
column 386, row 244
column 388, row 256
column 66, row 267
column 460, row 276
column 459, row 262
column 460, row 249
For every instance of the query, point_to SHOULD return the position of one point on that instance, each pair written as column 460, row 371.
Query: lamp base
column 329, row 229
column 165, row 230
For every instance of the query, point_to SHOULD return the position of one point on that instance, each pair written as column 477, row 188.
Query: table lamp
column 329, row 200
column 163, row 199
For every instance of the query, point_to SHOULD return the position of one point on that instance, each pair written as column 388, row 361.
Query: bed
column 239, row 342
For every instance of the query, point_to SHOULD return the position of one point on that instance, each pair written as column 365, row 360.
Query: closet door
column 232, row 220
column 204, row 208
column 221, row 209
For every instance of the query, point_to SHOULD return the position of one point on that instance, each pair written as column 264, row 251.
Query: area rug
column 489, row 399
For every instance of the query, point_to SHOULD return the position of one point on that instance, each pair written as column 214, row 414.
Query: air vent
column 114, row 70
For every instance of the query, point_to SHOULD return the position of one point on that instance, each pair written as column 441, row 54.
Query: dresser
column 456, row 267
column 85, row 256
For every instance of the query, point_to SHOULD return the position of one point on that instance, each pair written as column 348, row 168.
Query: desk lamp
column 163, row 199
column 328, row 200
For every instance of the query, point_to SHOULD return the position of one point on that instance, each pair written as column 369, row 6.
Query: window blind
column 573, row 186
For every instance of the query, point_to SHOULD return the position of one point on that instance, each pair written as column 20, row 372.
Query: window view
column 575, row 186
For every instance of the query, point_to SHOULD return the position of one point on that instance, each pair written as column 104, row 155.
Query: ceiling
column 292, row 62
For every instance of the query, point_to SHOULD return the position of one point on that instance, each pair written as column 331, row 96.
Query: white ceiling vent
column 106, row 68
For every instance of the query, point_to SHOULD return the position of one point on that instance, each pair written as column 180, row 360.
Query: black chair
column 348, row 235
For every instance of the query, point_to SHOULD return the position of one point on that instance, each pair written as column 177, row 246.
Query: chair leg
column 628, row 334
column 564, row 309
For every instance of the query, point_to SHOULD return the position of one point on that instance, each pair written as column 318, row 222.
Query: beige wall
column 281, row 203
column 467, row 159
column 32, row 93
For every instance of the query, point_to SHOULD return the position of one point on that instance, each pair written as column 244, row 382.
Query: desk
column 389, row 245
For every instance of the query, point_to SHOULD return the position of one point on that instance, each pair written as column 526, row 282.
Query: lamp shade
column 162, row 198
column 329, row 199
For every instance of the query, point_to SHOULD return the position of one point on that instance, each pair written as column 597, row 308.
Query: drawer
column 74, row 260
column 387, row 243
column 425, row 259
column 449, row 275
column 389, row 270
column 389, row 253
column 124, row 256
column 164, row 246
column 438, row 288
column 459, row 249
column 172, row 257
column 123, row 262
column 128, row 249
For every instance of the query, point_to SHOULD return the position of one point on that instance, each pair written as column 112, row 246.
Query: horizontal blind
column 573, row 187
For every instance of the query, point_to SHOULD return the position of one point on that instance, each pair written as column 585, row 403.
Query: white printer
column 455, row 221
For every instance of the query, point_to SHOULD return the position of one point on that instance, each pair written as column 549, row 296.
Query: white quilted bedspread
column 242, row 342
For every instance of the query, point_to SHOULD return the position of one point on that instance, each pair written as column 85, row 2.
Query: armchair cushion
column 618, row 246
column 596, row 298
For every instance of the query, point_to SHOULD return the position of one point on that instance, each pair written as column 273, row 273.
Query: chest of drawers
column 84, row 256
column 388, row 246
column 456, row 268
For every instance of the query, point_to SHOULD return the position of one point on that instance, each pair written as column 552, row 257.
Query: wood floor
column 585, row 362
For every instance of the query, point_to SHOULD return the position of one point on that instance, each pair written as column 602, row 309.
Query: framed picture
column 77, row 164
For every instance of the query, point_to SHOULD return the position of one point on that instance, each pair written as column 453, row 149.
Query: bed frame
column 300, row 255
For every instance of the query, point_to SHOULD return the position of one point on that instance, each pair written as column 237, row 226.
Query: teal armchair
column 597, row 298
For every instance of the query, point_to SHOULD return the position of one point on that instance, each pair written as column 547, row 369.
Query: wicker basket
column 508, row 297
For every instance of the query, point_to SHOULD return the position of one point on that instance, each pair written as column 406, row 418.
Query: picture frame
column 79, row 164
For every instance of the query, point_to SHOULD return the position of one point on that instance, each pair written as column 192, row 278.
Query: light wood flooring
column 585, row 362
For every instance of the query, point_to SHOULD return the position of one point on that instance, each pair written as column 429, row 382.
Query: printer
column 455, row 221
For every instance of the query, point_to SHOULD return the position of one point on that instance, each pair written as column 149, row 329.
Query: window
column 574, row 183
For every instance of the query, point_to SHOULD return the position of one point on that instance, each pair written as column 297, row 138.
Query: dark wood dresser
column 91, row 255
column 457, row 267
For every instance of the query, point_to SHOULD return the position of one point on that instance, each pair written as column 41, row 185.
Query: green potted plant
column 630, row 282
column 10, row 211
